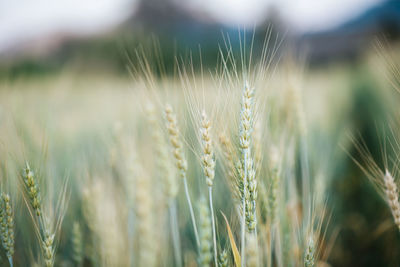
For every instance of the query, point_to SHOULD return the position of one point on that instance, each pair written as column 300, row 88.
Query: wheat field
column 230, row 166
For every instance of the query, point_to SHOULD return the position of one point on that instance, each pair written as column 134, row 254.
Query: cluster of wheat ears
column 214, row 170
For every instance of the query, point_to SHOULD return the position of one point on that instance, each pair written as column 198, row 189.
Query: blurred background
column 44, row 36
column 53, row 45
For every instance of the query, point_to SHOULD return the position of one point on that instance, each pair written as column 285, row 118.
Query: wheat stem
column 305, row 181
column 175, row 232
column 213, row 225
column 243, row 219
column 196, row 234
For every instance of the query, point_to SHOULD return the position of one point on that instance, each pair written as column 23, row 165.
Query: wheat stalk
column 161, row 150
column 208, row 162
column 45, row 234
column 181, row 164
column 249, row 183
column 251, row 250
column 168, row 178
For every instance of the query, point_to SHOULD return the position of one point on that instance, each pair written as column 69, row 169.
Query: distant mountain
column 173, row 23
column 171, row 20
column 348, row 40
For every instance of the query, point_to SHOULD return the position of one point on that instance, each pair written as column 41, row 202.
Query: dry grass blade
column 235, row 251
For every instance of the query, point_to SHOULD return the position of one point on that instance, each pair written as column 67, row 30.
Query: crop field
column 251, row 163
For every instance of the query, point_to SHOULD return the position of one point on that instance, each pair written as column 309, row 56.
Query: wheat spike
column 7, row 227
column 205, row 234
column 207, row 159
column 48, row 250
column 223, row 259
column 248, row 179
column 208, row 162
column 309, row 259
column 392, row 197
column 32, row 190
column 77, row 244
column 174, row 137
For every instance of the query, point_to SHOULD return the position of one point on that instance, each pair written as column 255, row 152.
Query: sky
column 302, row 15
column 22, row 20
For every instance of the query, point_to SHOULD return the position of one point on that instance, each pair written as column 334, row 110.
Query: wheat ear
column 32, row 190
column 248, row 179
column 145, row 225
column 7, row 227
column 274, row 192
column 205, row 234
column 46, row 236
column 208, row 162
column 48, row 249
column 309, row 257
column 392, row 197
column 77, row 244
column 223, row 259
